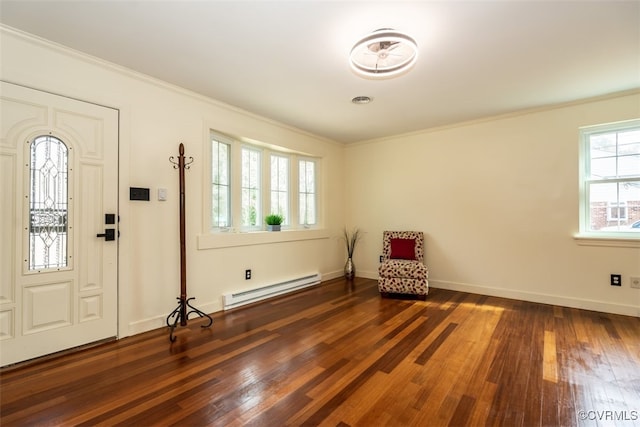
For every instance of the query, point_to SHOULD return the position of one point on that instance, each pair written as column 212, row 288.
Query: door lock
column 109, row 234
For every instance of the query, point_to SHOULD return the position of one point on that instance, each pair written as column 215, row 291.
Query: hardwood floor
column 339, row 355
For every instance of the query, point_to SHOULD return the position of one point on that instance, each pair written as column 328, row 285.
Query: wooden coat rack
column 184, row 308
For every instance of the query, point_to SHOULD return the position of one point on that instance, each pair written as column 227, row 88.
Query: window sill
column 623, row 241
column 230, row 240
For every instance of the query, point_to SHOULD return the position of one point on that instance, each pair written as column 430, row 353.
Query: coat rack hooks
column 184, row 308
column 176, row 163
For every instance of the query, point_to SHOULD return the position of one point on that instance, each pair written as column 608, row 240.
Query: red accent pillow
column 403, row 249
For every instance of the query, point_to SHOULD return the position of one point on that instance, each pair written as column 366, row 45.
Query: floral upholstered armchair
column 403, row 270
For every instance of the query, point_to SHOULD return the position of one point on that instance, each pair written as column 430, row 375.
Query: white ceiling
column 287, row 60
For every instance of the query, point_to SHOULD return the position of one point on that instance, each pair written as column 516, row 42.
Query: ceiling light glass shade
column 383, row 53
column 361, row 100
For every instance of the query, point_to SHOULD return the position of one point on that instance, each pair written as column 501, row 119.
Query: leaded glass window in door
column 48, row 204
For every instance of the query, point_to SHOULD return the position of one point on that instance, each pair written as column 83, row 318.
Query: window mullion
column 236, row 185
column 611, row 180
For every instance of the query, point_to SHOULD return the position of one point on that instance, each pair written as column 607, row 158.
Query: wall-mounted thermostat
column 137, row 193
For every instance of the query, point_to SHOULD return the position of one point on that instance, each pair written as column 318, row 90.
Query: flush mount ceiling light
column 384, row 53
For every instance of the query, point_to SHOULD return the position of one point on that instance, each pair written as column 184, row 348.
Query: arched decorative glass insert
column 48, row 203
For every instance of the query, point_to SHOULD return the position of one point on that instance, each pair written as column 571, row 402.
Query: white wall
column 155, row 118
column 498, row 201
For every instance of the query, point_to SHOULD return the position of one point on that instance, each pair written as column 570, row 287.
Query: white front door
column 58, row 179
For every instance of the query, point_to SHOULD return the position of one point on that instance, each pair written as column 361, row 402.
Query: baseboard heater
column 237, row 299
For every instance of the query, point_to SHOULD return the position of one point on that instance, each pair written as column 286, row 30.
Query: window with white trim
column 307, row 191
column 280, row 186
column 251, row 199
column 220, row 184
column 250, row 181
column 610, row 178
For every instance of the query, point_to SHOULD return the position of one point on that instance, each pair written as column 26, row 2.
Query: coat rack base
column 181, row 315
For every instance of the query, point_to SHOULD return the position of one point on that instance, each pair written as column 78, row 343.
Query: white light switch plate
column 162, row 194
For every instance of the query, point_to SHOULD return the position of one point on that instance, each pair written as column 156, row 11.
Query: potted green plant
column 274, row 222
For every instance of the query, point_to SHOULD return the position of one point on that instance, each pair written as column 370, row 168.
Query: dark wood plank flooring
column 339, row 355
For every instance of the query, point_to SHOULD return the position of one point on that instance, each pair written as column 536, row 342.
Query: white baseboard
column 151, row 323
column 145, row 325
column 156, row 322
column 572, row 302
column 564, row 301
column 332, row 275
column 368, row 274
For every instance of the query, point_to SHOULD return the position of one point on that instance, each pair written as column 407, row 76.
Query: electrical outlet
column 635, row 282
column 616, row 280
column 247, row 274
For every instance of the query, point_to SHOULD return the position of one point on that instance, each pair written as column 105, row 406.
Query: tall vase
column 349, row 269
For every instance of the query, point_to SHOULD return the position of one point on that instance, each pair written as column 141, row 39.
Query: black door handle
column 109, row 234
